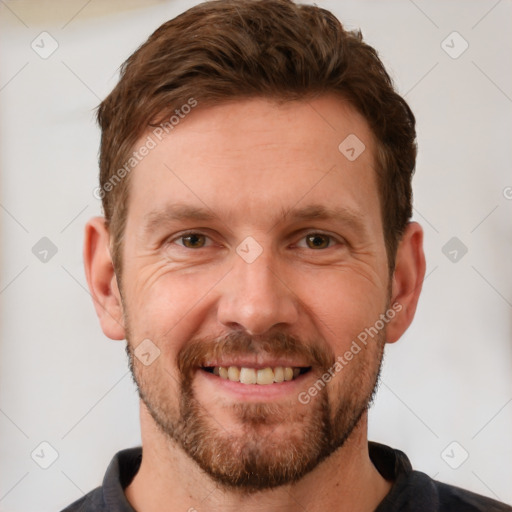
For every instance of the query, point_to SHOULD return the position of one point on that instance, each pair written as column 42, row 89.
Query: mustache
column 239, row 343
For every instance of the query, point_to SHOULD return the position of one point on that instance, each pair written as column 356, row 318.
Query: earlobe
column 407, row 280
column 101, row 278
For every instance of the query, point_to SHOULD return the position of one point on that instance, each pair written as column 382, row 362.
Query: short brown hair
column 233, row 49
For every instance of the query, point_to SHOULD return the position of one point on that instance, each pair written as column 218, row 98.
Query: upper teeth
column 256, row 376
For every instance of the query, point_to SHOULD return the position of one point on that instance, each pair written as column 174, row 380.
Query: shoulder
column 91, row 502
column 110, row 495
column 453, row 499
column 414, row 491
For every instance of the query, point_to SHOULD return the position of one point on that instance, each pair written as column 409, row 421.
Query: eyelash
column 330, row 237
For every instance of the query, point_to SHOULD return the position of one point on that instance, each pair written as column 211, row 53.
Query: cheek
column 342, row 304
column 167, row 306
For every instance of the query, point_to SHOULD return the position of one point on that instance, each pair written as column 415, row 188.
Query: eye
column 191, row 240
column 318, row 241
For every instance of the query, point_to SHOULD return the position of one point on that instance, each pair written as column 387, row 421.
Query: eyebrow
column 175, row 213
column 345, row 215
column 183, row 212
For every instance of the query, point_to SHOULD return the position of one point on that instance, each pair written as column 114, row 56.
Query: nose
column 256, row 298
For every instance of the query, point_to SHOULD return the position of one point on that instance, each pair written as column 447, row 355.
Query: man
column 257, row 254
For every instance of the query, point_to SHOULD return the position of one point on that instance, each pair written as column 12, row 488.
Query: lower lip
column 253, row 392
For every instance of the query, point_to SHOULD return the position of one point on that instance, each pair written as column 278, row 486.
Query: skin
column 249, row 161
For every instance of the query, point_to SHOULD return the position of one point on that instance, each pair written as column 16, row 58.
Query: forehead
column 256, row 159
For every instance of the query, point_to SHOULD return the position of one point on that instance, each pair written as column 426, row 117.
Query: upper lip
column 256, row 362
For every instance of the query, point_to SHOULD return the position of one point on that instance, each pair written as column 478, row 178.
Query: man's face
column 252, row 242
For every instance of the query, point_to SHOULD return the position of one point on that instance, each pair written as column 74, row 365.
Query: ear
column 407, row 280
column 102, row 280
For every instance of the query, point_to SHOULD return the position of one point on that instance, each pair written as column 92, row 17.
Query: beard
column 273, row 444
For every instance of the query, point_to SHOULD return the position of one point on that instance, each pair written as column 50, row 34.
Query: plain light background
column 62, row 382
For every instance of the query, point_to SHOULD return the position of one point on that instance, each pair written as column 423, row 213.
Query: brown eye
column 318, row 241
column 193, row 240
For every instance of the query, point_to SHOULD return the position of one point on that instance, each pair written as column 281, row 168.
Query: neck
column 169, row 480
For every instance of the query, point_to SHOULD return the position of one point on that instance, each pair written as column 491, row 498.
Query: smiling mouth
column 262, row 376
